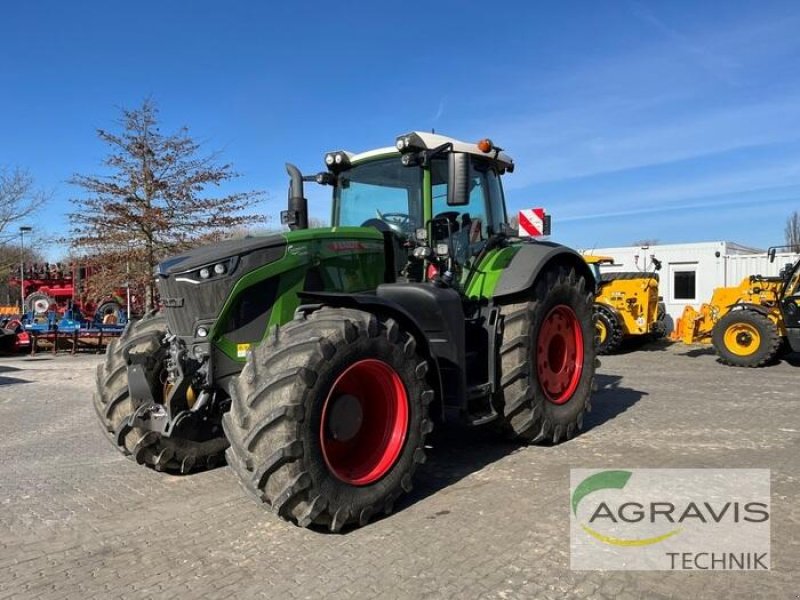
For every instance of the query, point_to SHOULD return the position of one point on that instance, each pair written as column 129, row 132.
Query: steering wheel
column 401, row 220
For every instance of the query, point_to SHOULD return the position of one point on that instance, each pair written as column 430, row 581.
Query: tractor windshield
column 380, row 191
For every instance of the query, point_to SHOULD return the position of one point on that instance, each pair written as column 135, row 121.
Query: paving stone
column 487, row 519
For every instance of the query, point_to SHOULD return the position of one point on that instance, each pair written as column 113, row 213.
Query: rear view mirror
column 457, row 179
column 771, row 253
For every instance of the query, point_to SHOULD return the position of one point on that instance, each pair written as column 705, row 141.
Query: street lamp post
column 22, row 231
column 128, row 282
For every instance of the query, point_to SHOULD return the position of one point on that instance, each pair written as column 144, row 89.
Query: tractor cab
column 439, row 198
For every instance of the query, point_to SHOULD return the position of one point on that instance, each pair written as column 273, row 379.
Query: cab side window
column 496, row 200
column 472, row 217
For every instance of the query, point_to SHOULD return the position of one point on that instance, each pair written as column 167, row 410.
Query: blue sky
column 677, row 121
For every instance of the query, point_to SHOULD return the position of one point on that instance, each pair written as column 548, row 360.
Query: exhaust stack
column 296, row 215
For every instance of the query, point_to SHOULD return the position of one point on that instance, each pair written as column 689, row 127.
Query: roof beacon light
column 485, row 145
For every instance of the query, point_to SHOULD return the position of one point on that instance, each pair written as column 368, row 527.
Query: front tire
column 745, row 338
column 608, row 329
column 329, row 417
column 113, row 404
column 547, row 358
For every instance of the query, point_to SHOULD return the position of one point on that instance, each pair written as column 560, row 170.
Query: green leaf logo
column 606, row 480
column 599, row 481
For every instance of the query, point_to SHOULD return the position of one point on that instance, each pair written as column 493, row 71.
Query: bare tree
column 151, row 203
column 792, row 231
column 19, row 197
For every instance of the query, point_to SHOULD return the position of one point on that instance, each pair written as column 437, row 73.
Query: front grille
column 186, row 303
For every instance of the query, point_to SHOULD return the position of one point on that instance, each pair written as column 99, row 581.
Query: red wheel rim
column 559, row 354
column 364, row 422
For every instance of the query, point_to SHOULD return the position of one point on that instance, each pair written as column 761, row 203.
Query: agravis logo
column 670, row 519
column 604, row 481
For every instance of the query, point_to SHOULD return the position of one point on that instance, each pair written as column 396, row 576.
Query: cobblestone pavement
column 486, row 520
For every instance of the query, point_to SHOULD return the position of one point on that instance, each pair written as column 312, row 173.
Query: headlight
column 410, row 142
column 337, row 161
column 209, row 272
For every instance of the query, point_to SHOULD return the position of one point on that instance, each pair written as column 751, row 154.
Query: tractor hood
column 209, row 255
column 228, row 289
column 194, row 286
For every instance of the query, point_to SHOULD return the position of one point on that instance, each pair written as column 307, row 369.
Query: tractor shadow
column 792, row 358
column 455, row 452
column 610, row 400
column 10, row 380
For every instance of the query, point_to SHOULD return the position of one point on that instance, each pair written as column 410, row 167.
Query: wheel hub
column 600, row 332
column 364, row 422
column 742, row 339
column 559, row 356
column 345, row 417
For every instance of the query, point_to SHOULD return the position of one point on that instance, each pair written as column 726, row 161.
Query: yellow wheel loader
column 749, row 325
column 627, row 305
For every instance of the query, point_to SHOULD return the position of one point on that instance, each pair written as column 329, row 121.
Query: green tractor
column 318, row 360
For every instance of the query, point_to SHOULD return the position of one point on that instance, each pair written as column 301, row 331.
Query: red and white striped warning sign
column 531, row 222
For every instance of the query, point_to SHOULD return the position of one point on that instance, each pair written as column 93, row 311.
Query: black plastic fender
column 531, row 259
column 433, row 315
column 749, row 306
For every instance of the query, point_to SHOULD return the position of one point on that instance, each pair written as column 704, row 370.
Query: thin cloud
column 717, row 65
column 721, row 189
column 658, row 209
column 591, row 149
column 439, row 110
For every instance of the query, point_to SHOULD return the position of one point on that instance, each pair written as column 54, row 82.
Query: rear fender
column 529, row 262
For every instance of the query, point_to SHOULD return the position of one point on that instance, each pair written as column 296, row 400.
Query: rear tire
column 609, row 331
column 114, row 405
column 745, row 338
column 288, row 448
column 540, row 401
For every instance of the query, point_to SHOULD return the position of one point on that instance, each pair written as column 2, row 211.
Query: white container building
column 690, row 272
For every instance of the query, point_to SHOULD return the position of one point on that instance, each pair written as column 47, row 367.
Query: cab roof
column 433, row 140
